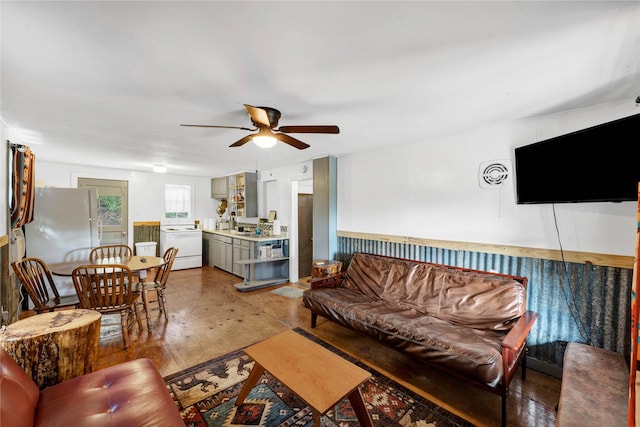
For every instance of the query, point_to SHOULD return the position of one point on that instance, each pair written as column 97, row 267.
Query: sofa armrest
column 514, row 347
column 18, row 393
column 518, row 334
column 332, row 281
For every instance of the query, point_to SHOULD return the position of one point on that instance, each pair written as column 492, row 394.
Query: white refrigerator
column 64, row 228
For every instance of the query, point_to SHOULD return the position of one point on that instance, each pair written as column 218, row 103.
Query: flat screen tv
column 597, row 164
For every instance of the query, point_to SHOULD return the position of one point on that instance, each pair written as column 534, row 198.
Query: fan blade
column 242, row 141
column 291, row 141
column 309, row 129
column 216, row 126
column 258, row 115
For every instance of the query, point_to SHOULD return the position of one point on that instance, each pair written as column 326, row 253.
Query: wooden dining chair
column 107, row 288
column 110, row 253
column 159, row 283
column 36, row 278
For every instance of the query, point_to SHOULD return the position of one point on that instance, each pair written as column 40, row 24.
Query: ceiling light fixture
column 264, row 141
column 159, row 168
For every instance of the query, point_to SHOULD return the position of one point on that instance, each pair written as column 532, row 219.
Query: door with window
column 113, row 224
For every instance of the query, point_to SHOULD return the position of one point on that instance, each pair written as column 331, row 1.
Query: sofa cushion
column 344, row 301
column 18, row 394
column 128, row 394
column 475, row 353
column 479, row 300
column 461, row 297
column 368, row 275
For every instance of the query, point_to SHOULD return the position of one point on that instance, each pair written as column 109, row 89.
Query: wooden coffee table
column 316, row 375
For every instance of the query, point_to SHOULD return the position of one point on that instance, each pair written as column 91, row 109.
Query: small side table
column 324, row 267
column 55, row 346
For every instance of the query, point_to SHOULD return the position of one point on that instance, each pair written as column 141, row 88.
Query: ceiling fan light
column 159, row 168
column 264, row 141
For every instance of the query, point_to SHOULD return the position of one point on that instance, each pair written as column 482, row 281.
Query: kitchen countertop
column 246, row 236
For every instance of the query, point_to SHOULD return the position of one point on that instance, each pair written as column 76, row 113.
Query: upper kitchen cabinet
column 244, row 194
column 220, row 187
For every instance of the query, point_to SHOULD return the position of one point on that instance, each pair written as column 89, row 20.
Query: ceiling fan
column 265, row 120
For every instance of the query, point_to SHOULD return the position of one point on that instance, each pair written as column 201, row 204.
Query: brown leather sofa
column 128, row 394
column 470, row 323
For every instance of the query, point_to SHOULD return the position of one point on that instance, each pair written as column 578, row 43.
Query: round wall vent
column 495, row 173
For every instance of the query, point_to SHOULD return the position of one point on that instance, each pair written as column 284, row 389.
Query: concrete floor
column 208, row 317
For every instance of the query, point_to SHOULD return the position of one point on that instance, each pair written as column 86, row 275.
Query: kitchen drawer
column 223, row 239
column 241, row 243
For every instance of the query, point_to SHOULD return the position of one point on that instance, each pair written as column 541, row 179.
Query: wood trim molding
column 619, row 261
column 146, row 223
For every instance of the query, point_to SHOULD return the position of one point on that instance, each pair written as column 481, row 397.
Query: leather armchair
column 128, row 394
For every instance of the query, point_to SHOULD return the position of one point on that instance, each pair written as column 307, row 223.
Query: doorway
column 113, row 223
column 305, row 234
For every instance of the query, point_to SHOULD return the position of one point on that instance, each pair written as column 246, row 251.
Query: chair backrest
column 37, row 280
column 163, row 272
column 105, row 288
column 110, row 254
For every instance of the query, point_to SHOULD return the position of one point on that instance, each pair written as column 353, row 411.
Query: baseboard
column 544, row 367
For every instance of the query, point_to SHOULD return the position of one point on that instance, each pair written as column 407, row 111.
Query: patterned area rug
column 206, row 394
column 288, row 291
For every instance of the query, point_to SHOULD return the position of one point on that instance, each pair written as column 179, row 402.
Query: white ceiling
column 108, row 83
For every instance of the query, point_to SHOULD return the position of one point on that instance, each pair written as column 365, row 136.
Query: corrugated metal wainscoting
column 147, row 232
column 575, row 302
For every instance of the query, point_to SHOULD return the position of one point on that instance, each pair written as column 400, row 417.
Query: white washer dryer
column 188, row 239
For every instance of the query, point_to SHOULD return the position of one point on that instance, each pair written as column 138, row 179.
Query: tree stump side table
column 324, row 267
column 56, row 346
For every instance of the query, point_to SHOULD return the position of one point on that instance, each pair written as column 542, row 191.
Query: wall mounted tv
column 597, row 164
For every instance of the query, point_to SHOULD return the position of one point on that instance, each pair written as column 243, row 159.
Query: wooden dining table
column 138, row 265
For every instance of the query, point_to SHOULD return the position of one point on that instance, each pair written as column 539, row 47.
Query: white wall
column 425, row 190
column 431, row 190
column 284, row 177
column 146, row 190
column 288, row 182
